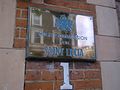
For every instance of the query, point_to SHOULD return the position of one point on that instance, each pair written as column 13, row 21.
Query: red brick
column 58, row 66
column 23, row 33
column 77, row 11
column 60, row 2
column 76, row 75
column 86, row 84
column 39, row 86
column 91, row 7
column 19, row 43
column 75, row 4
column 62, row 9
column 21, row 22
column 17, row 33
column 54, row 8
column 21, row 4
column 87, row 7
column 47, row 75
column 33, row 75
column 71, row 4
column 86, row 65
column 18, row 13
column 41, row 65
column 24, row 13
column 54, row 2
column 58, row 75
column 57, row 85
column 92, row 74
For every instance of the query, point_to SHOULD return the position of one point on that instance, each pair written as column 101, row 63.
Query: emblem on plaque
column 64, row 24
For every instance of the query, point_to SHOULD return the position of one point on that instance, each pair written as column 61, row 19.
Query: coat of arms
column 64, row 24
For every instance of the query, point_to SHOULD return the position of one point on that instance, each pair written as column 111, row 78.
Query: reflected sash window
column 36, row 20
column 36, row 38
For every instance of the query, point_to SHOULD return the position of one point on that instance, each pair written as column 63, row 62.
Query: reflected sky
column 84, row 27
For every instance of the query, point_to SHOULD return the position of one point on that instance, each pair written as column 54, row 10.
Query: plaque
column 55, row 35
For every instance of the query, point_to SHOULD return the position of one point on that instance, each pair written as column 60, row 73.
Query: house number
column 66, row 85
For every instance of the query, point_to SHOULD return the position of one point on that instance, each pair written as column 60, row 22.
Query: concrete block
column 107, row 21
column 110, row 75
column 7, row 22
column 109, row 3
column 107, row 48
column 12, row 65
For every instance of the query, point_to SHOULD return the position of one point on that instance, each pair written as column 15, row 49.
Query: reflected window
column 54, row 18
column 36, row 38
column 56, row 40
column 36, row 19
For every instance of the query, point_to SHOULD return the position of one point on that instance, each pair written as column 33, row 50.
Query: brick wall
column 49, row 75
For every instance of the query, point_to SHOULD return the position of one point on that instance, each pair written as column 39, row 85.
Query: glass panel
column 60, row 35
column 37, row 38
column 36, row 19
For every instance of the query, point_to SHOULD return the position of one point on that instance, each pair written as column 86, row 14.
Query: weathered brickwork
column 21, row 25
column 49, row 75
column 83, row 76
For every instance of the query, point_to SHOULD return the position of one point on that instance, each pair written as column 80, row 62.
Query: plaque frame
column 47, row 58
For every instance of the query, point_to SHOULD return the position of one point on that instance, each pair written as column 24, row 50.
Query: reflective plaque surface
column 60, row 35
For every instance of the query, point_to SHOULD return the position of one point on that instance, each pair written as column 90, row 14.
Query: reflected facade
column 53, row 34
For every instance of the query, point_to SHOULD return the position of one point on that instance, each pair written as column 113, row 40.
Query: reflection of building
column 54, row 29
column 46, row 23
column 89, row 51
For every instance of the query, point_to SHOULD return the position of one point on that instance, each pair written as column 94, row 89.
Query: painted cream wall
column 12, row 61
column 7, row 22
